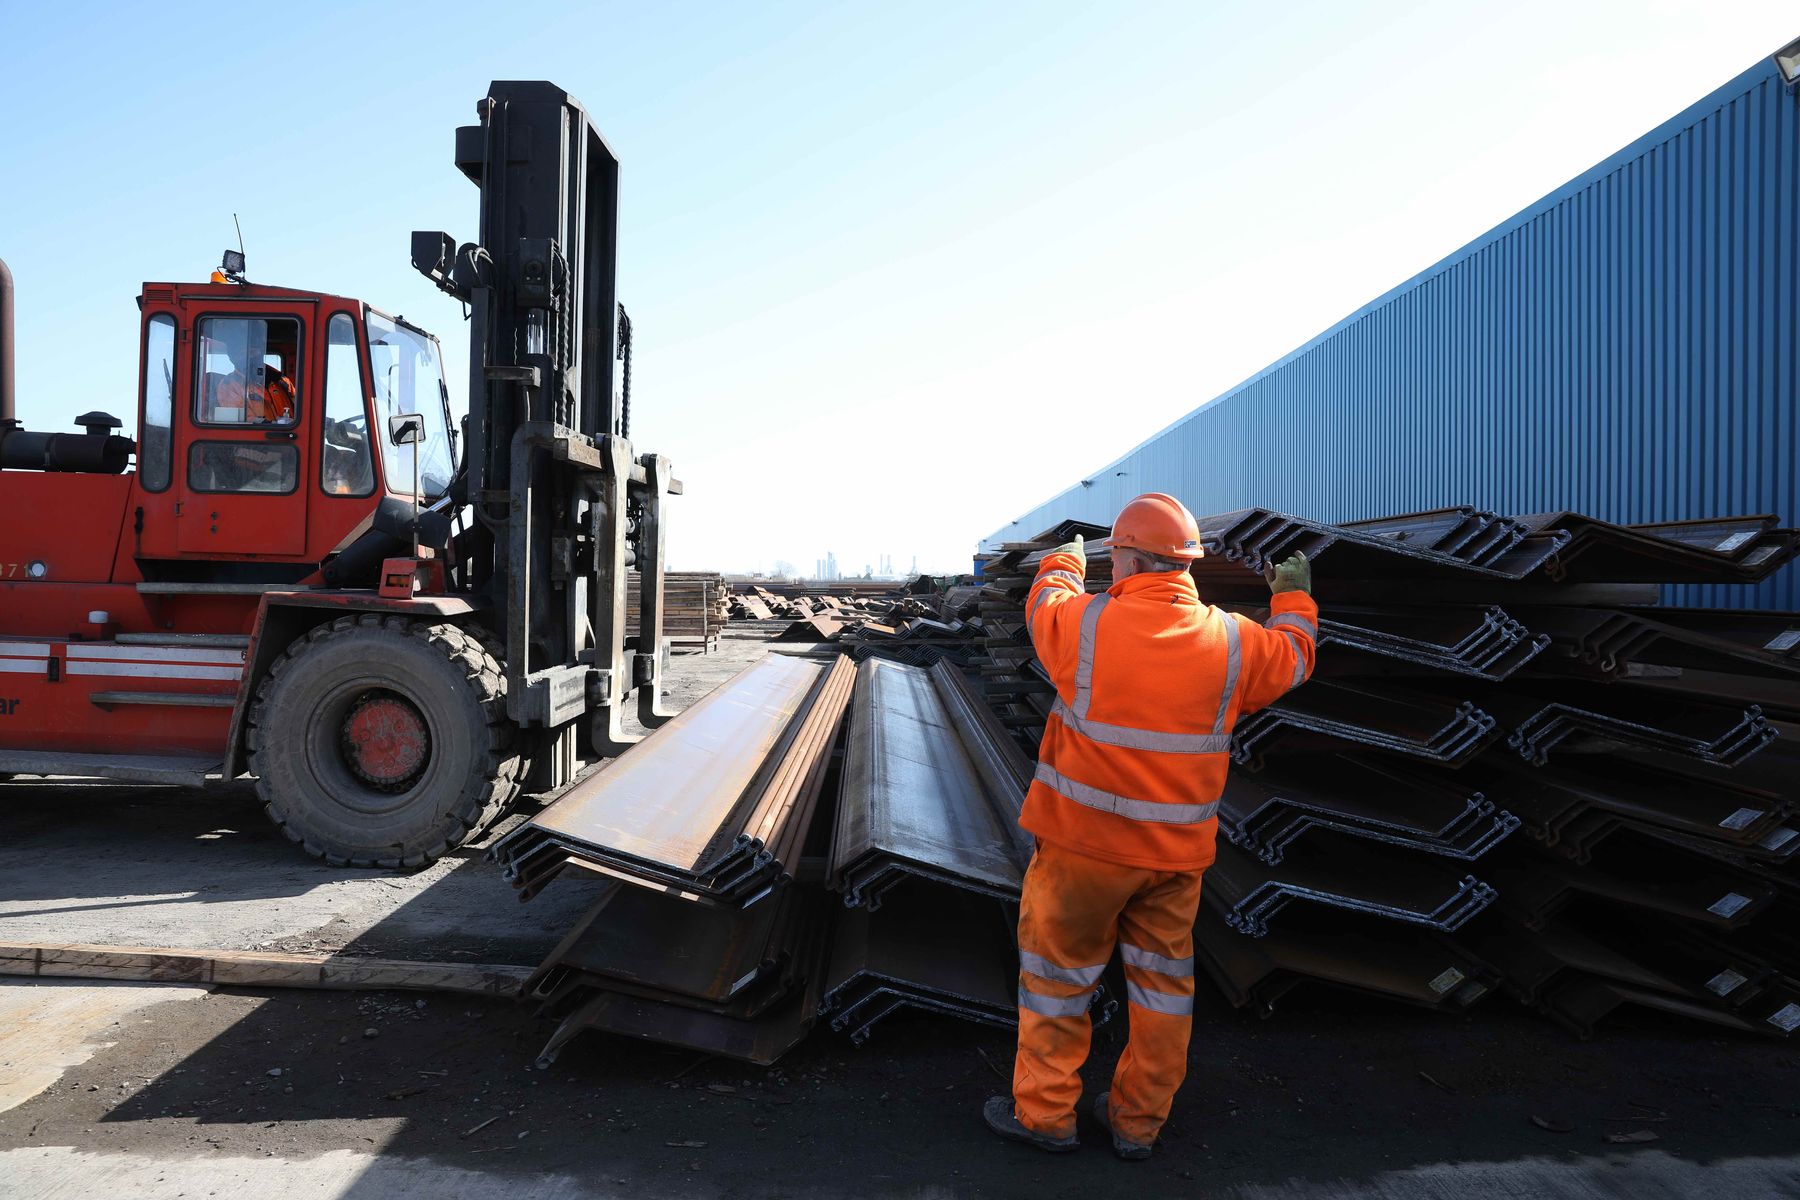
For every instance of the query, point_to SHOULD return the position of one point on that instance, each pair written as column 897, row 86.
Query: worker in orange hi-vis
column 270, row 402
column 1149, row 682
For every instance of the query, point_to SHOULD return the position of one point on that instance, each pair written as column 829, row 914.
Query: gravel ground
column 167, row 1091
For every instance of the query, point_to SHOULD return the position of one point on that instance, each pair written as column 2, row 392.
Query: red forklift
column 301, row 570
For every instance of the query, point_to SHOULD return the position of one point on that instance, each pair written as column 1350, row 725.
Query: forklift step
column 166, row 699
column 230, row 641
column 186, row 770
column 215, row 589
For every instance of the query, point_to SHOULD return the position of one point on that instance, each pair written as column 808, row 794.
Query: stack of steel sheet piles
column 926, row 853
column 714, row 807
column 1257, row 537
column 1481, row 673
column 1328, row 714
column 1369, row 878
column 750, row 607
column 1266, row 811
column 1470, row 534
column 694, row 826
column 1015, row 690
column 742, row 983
column 1577, row 979
column 1254, row 973
column 1715, row 550
column 1624, row 643
column 912, row 633
column 1479, row 641
column 1569, row 810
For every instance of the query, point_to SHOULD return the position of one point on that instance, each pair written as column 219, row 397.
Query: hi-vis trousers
column 1073, row 910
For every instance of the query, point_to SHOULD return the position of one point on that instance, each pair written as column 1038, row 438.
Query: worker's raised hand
column 1291, row 574
column 1078, row 548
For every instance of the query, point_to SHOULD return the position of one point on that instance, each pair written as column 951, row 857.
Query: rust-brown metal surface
column 666, row 797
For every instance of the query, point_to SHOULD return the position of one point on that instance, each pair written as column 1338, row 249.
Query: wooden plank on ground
column 256, row 968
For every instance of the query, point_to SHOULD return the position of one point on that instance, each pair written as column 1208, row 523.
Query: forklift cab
column 262, row 423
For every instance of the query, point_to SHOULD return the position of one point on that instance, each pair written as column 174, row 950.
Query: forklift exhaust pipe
column 7, row 412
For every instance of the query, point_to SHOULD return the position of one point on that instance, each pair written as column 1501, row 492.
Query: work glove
column 1078, row 548
column 1291, row 574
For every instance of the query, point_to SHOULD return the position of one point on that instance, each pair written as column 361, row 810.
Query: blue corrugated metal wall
column 1625, row 347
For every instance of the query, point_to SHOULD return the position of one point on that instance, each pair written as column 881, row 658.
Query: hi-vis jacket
column 1149, row 682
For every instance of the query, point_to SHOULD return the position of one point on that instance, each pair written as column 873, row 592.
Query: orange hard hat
column 1157, row 524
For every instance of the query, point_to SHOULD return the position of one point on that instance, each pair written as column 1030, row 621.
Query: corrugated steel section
column 1625, row 347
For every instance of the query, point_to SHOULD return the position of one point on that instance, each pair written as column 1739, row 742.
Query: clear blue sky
column 898, row 272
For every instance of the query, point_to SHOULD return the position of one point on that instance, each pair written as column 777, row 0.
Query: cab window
column 347, row 465
column 159, row 402
column 249, row 371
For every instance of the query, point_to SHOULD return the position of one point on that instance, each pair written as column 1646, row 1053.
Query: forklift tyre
column 383, row 742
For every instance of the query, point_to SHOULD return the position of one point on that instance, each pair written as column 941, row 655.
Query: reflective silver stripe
column 1159, row 1002
column 1072, row 577
column 1297, row 621
column 1084, row 659
column 1299, row 668
column 1057, row 1006
column 1043, row 968
column 1233, row 656
column 1142, row 739
column 1175, row 968
column 1125, row 806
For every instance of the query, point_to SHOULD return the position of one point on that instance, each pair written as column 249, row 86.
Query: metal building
column 1624, row 347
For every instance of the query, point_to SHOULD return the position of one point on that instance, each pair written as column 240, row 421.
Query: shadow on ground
column 1332, row 1090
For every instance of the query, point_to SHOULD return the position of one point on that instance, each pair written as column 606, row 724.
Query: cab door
column 240, row 455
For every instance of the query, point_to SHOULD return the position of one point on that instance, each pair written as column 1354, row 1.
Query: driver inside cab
column 260, row 395
column 266, row 400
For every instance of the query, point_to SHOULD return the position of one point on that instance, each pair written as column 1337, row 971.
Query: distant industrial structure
column 828, row 568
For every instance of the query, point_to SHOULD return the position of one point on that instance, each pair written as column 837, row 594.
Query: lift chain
column 624, row 356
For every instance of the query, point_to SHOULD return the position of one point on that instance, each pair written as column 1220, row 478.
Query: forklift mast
column 558, row 506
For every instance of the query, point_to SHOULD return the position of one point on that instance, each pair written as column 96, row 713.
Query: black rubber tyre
column 496, row 651
column 310, row 786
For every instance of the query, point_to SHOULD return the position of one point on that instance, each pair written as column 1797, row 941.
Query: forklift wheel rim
column 330, row 763
column 385, row 739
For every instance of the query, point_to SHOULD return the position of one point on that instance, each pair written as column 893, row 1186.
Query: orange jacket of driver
column 271, row 403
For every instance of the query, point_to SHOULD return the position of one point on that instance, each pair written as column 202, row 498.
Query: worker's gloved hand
column 1291, row 574
column 1078, row 548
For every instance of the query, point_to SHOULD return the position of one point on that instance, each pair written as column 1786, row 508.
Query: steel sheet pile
column 1513, row 767
column 714, row 934
column 707, row 940
column 926, row 852
column 918, row 629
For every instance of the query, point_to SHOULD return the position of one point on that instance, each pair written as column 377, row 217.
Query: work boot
column 1002, row 1119
column 1129, row 1151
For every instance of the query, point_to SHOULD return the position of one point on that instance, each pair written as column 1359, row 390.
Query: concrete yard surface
column 49, row 1025
column 154, row 1091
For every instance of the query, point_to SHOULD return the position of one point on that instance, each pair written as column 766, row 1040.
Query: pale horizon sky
column 898, row 274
